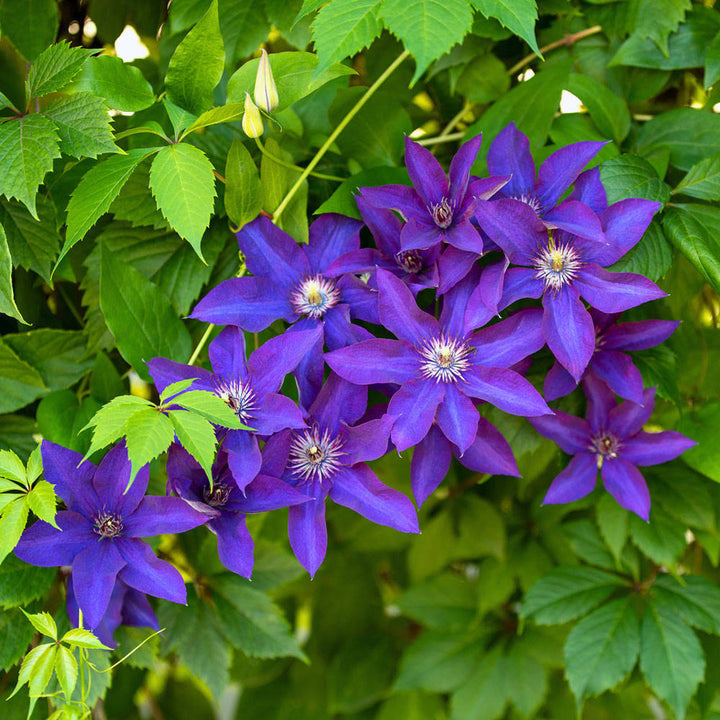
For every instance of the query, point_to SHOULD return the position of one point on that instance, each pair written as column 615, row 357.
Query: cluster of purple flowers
column 354, row 323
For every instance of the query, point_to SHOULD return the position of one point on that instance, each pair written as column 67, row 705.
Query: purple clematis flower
column 608, row 363
column 225, row 504
column 101, row 529
column 329, row 459
column 249, row 387
column 127, row 606
column 561, row 268
column 438, row 207
column 290, row 282
column 443, row 369
column 610, row 439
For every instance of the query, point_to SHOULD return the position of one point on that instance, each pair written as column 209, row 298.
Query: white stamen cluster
column 314, row 296
column 239, row 396
column 442, row 213
column 108, row 525
column 530, row 200
column 604, row 445
column 557, row 265
column 314, row 456
column 444, row 359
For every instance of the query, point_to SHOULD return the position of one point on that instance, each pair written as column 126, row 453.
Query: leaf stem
column 341, row 126
column 282, row 163
column 441, row 139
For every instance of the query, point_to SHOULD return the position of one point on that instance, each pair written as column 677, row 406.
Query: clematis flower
column 329, row 459
column 610, row 439
column 100, row 531
column 225, row 504
column 250, row 387
column 443, row 368
column 290, row 282
column 608, row 363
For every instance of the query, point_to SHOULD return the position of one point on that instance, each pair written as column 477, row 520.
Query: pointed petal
column 453, row 266
column 331, row 235
column 655, row 448
column 505, row 389
column 615, row 292
column 339, row 402
column 460, row 167
column 490, row 452
column 509, row 154
column 368, row 441
column 149, row 574
column 227, row 354
column 72, row 480
column 244, row 458
column 600, row 402
column 454, row 304
column 457, row 418
column 360, row 297
column 338, row 329
column 361, row 261
column 375, row 361
column 430, row 463
column 137, row 611
column 485, row 299
column 384, row 225
column 576, row 481
column 359, row 489
column 235, row 544
column 161, row 515
column 627, row 485
column 485, row 188
column 570, row 433
column 513, row 225
column 263, row 494
column 510, row 340
column 628, row 418
column 420, row 234
column 399, row 312
column 275, row 453
column 519, row 283
column 308, row 533
column 309, row 372
column 558, row 383
column 577, row 219
column 464, row 236
column 45, row 546
column 165, row 372
column 639, row 335
column 426, row 173
column 590, row 190
column 414, row 405
column 568, row 329
column 276, row 412
column 397, row 197
column 112, row 477
column 618, row 371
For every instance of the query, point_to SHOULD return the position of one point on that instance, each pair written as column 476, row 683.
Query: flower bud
column 252, row 123
column 266, row 94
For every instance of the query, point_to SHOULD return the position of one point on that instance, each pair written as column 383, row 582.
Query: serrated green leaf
column 519, row 16
column 34, row 464
column 703, row 180
column 197, row 436
column 568, row 592
column 175, row 388
column 54, row 68
column 135, row 202
column 66, row 669
column 211, row 407
column 83, row 124
column 671, row 658
column 444, row 601
column 148, row 433
column 651, row 257
column 343, row 28
column 182, row 181
column 34, row 665
column 656, row 19
column 20, row 382
column 28, row 146
column 484, row 695
column 712, row 63
column 629, row 176
column 94, row 194
column 662, row 539
column 42, row 501
column 20, row 583
column 79, row 637
column 11, row 466
column 607, row 110
column 694, row 599
column 197, row 65
column 243, row 193
column 12, row 523
column 43, row 622
column 705, row 456
column 7, row 298
column 602, row 648
column 613, row 522
column 179, row 118
column 223, row 114
column 15, row 636
column 6, row 102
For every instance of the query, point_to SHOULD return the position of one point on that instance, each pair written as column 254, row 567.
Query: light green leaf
column 629, row 176
column 28, row 146
column 343, row 28
column 671, row 658
column 31, row 25
column 694, row 599
column 607, row 110
column 216, row 116
column 197, row 436
column 197, row 65
column 211, row 407
column 12, row 523
column 34, row 464
column 43, row 622
column 703, row 180
column 34, row 667
column 95, row 192
column 122, row 86
column 612, row 520
column 243, row 193
column 444, row 601
column 712, row 63
column 54, row 68
column 66, row 669
column 182, row 181
column 7, row 298
column 516, row 15
column 180, row 119
column 566, row 593
column 42, row 501
column 175, row 388
column 11, row 466
column 20, row 382
column 149, row 433
column 109, row 422
column 78, row 637
column 602, row 648
column 245, row 26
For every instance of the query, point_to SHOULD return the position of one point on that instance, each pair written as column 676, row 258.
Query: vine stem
column 282, row 163
column 341, row 126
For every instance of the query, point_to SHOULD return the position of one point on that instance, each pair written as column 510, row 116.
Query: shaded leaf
column 243, row 193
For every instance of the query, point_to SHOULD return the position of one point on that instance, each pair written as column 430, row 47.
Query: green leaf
column 34, row 668
column 109, row 421
column 34, row 464
column 197, row 65
column 54, row 68
column 20, row 583
column 656, row 19
column 566, row 593
column 15, row 636
column 484, row 79
column 28, row 146
column 197, row 436
column 78, row 637
column 149, row 433
column 427, row 28
column 529, row 681
column 182, row 181
column 179, row 118
column 122, row 86
column 651, row 257
column 662, row 539
column 671, row 658
column 95, row 192
column 83, row 124
column 484, row 695
column 139, row 316
column 444, row 601
column 684, row 227
column 216, row 116
column 712, row 63
column 211, row 407
column 7, row 298
column 6, row 102
column 683, row 495
column 43, row 622
column 343, row 28
column 243, row 193
column 66, row 669
column 12, row 523
column 703, row 180
column 602, row 648
column 135, row 202
column 705, row 456
column 608, row 111
column 11, row 466
column 31, row 25
column 244, row 27
column 175, row 388
column 695, row 600
column 42, row 501
column 629, row 176
column 519, row 16
column 612, row 520
column 294, row 74
column 495, row 584
column 20, row 382
column 105, row 381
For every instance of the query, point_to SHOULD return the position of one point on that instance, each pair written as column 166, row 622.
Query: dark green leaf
column 651, row 257
column 662, row 539
column 444, row 601
column 612, row 520
column 105, row 381
column 15, row 636
column 699, row 425
column 485, row 693
column 243, row 194
column 484, row 79
column 21, row 383
column 703, row 180
column 608, row 111
column 7, row 298
column 20, row 583
column 712, row 63
column 656, row 19
column 31, row 25
column 629, row 176
column 136, row 203
column 244, row 27
column 61, row 416
column 694, row 599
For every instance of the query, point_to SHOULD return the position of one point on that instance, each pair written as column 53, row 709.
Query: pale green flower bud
column 266, row 94
column 252, row 123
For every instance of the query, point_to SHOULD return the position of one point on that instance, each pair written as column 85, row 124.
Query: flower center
column 410, row 261
column 315, row 456
column 444, row 359
column 605, row 445
column 108, row 525
column 218, row 496
column 314, row 296
column 557, row 265
column 239, row 396
column 530, row 200
column 442, row 213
